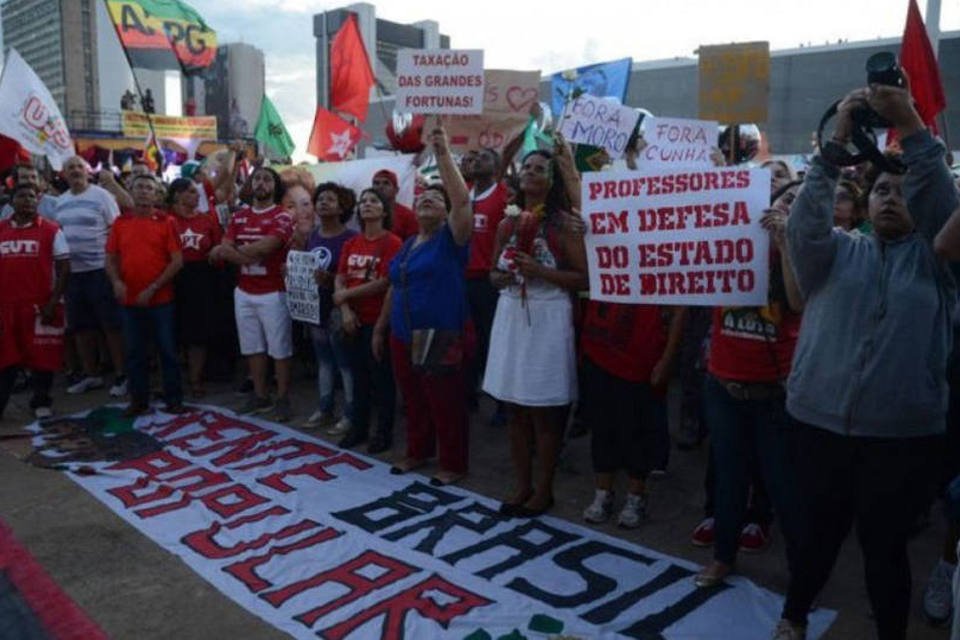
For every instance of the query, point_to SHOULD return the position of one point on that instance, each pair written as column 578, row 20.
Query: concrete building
column 382, row 39
column 234, row 88
column 58, row 39
column 803, row 83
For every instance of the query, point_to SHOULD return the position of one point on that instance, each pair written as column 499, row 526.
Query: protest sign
column 675, row 236
column 735, row 82
column 599, row 122
column 677, row 142
column 324, row 542
column 137, row 125
column 303, row 297
column 30, row 115
column 439, row 81
column 507, row 98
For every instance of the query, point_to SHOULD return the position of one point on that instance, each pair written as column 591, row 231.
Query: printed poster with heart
column 508, row 96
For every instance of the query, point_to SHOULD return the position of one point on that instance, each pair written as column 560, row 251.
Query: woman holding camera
column 868, row 383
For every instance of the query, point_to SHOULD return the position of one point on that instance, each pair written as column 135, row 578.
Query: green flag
column 270, row 130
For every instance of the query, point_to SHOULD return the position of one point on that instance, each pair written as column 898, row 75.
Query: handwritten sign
column 599, row 122
column 439, row 81
column 735, row 82
column 677, row 142
column 507, row 98
column 668, row 236
column 303, row 297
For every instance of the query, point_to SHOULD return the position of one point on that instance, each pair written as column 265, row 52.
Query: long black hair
column 279, row 189
column 557, row 200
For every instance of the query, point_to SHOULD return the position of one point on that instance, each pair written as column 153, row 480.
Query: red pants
column 436, row 411
column 24, row 341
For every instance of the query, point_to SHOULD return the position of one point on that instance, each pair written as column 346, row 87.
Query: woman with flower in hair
column 540, row 261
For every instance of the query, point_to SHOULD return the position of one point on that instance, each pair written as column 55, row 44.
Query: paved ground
column 136, row 590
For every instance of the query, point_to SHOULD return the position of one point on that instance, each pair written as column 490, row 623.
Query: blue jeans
column 332, row 356
column 135, row 322
column 742, row 432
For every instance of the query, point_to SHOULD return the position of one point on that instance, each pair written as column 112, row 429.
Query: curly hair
column 557, row 200
column 346, row 198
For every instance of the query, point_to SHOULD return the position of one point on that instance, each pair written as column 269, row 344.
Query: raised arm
column 947, row 242
column 811, row 241
column 568, row 169
column 461, row 212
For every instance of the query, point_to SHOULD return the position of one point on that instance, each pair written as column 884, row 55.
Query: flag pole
column 136, row 83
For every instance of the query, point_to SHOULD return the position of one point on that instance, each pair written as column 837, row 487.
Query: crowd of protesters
column 825, row 407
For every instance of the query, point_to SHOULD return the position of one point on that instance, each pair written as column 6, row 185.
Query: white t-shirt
column 86, row 219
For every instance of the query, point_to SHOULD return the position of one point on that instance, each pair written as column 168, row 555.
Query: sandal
column 509, row 508
column 712, row 575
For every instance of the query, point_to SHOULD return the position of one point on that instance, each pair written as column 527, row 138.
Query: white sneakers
column 88, row 383
column 41, row 413
column 342, row 427
column 119, row 388
column 633, row 514
column 600, row 509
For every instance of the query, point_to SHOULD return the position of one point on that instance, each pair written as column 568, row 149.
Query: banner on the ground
column 136, row 124
column 599, row 122
column 30, row 115
column 677, row 142
column 163, row 34
column 734, row 82
column 322, row 542
column 303, row 297
column 678, row 236
column 439, row 81
column 507, row 98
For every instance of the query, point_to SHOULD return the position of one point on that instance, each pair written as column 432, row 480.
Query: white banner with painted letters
column 599, row 122
column 678, row 236
column 322, row 542
column 677, row 142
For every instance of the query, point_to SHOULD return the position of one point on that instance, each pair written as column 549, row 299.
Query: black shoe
column 352, row 439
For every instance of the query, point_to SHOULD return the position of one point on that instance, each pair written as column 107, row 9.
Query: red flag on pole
column 917, row 59
column 152, row 156
column 350, row 73
column 332, row 137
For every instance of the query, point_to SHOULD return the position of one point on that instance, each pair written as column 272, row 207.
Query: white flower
column 512, row 211
column 569, row 75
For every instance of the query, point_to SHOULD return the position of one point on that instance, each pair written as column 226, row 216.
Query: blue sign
column 603, row 80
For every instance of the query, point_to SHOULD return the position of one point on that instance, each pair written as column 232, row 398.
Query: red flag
column 332, row 137
column 350, row 73
column 917, row 59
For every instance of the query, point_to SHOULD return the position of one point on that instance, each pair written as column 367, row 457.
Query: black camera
column 882, row 68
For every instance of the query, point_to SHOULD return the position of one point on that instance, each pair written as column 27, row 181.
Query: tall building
column 58, row 39
column 382, row 39
column 234, row 87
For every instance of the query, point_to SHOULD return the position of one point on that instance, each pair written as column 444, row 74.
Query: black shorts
column 91, row 304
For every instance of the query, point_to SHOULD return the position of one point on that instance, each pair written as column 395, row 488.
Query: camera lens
column 881, row 62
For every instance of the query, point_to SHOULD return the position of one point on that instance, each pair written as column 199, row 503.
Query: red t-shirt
column 363, row 261
column 404, row 222
column 143, row 246
column 198, row 234
column 753, row 344
column 626, row 340
column 487, row 213
column 26, row 261
column 248, row 226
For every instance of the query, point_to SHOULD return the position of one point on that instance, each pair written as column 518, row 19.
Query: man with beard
column 256, row 240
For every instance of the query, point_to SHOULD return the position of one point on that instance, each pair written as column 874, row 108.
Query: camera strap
column 864, row 141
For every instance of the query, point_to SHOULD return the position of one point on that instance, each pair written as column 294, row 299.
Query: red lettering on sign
column 316, row 470
column 245, row 570
column 416, row 598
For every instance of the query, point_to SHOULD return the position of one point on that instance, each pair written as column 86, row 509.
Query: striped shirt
column 85, row 220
